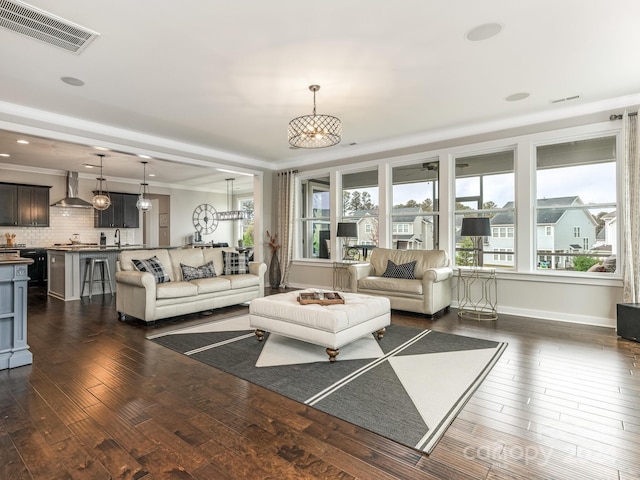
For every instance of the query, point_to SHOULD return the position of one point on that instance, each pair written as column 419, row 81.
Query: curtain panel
column 286, row 224
column 631, row 224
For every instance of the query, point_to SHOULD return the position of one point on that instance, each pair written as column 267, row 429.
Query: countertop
column 97, row 248
column 6, row 259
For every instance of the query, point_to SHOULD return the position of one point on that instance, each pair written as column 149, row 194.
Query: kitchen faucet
column 117, row 235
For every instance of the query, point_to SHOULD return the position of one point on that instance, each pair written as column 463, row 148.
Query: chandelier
column 315, row 131
column 144, row 203
column 230, row 214
column 101, row 200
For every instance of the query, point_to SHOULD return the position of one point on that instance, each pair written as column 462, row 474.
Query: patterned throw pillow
column 153, row 266
column 400, row 271
column 235, row 263
column 192, row 273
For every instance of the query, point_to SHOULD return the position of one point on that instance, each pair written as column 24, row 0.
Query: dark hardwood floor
column 100, row 401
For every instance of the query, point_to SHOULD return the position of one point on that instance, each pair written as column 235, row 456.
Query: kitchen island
column 67, row 265
column 14, row 351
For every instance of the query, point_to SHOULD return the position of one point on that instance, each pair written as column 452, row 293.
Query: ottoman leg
column 260, row 335
column 332, row 354
column 380, row 333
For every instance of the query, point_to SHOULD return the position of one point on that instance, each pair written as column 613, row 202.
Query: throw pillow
column 404, row 270
column 192, row 273
column 153, row 266
column 235, row 263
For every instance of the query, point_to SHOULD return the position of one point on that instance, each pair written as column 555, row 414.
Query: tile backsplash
column 63, row 223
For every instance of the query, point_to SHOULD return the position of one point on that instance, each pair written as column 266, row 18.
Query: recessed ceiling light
column 144, row 156
column 75, row 82
column 101, row 148
column 152, row 174
column 517, row 96
column 88, row 165
column 24, row 142
column 4, row 155
column 483, row 32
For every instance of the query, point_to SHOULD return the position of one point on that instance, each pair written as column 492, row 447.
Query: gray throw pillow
column 192, row 273
column 404, row 270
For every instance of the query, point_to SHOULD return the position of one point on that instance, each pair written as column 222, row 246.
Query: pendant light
column 101, row 200
column 144, row 203
column 315, row 131
column 230, row 214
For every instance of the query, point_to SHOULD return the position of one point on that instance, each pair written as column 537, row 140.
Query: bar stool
column 90, row 269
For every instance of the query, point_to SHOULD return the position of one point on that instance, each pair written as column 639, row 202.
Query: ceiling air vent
column 35, row 23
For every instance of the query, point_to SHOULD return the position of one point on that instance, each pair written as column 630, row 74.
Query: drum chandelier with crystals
column 316, row 130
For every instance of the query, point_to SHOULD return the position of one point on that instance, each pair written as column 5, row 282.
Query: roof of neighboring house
column 546, row 216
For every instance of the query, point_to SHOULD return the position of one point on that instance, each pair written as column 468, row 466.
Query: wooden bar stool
column 90, row 270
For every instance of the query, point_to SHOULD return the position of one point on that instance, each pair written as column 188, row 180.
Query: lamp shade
column 475, row 227
column 347, row 229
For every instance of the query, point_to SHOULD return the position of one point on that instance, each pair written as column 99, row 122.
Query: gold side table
column 341, row 276
column 477, row 293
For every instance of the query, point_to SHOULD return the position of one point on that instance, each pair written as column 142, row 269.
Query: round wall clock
column 205, row 218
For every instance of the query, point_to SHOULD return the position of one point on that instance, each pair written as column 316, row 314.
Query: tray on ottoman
column 329, row 298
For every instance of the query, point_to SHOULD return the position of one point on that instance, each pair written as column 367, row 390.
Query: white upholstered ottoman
column 330, row 326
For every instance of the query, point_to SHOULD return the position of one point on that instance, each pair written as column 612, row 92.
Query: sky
column 592, row 183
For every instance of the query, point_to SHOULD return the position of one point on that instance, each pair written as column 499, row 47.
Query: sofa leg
column 260, row 335
column 121, row 316
column 333, row 353
column 380, row 333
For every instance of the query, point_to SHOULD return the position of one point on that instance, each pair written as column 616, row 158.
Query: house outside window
column 414, row 217
column 576, row 191
column 360, row 205
column 485, row 187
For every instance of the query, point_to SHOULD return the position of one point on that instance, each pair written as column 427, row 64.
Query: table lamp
column 476, row 228
column 347, row 230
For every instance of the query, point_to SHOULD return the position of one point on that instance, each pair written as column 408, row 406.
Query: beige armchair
column 428, row 292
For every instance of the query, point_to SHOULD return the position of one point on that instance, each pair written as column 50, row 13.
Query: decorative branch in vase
column 275, row 273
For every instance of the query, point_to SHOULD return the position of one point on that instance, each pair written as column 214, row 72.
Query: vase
column 274, row 272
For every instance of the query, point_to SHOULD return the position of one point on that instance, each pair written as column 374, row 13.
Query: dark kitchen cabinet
column 9, row 202
column 122, row 213
column 24, row 205
column 33, row 206
column 37, row 271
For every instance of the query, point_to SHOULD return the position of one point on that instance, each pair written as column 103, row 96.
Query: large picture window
column 414, row 217
column 360, row 205
column 576, row 199
column 315, row 218
column 485, row 187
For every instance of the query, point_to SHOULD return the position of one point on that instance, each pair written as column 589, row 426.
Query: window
column 485, row 186
column 548, row 231
column 576, row 192
column 414, row 217
column 246, row 205
column 360, row 205
column 315, row 218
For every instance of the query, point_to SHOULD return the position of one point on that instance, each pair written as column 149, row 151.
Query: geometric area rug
column 408, row 387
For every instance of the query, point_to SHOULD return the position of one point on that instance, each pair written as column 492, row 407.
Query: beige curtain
column 286, row 212
column 631, row 216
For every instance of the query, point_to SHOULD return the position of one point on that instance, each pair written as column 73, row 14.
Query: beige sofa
column 138, row 294
column 428, row 293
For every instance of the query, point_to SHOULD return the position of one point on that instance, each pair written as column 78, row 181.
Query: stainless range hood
column 72, row 199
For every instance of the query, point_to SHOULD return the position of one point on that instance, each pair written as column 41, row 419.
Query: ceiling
column 214, row 84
